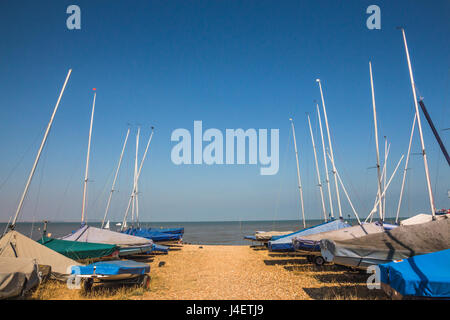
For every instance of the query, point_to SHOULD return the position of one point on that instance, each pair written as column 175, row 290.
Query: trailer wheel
column 319, row 260
column 87, row 285
column 145, row 281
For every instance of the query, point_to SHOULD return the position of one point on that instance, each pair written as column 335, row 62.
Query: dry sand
column 230, row 272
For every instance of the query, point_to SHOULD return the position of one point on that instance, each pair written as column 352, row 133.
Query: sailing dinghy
column 400, row 243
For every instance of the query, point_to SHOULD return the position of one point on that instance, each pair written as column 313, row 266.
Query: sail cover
column 17, row 275
column 421, row 276
column 284, row 243
column 16, row 245
column 400, row 243
column 311, row 243
column 96, row 235
column 79, row 250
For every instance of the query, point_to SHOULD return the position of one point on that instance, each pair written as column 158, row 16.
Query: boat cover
column 168, row 230
column 79, row 250
column 17, row 275
column 421, row 276
column 400, row 243
column 311, row 243
column 153, row 235
column 96, row 235
column 253, row 238
column 284, row 243
column 16, row 245
column 422, row 218
column 112, row 268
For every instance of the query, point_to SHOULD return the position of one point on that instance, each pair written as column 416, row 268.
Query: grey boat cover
column 17, row 275
column 422, row 218
column 266, row 236
column 96, row 235
column 400, row 243
column 16, row 245
column 340, row 234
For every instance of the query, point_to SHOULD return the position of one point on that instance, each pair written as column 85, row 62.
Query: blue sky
column 231, row 64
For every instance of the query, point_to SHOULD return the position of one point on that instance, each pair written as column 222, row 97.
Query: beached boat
column 400, row 243
column 128, row 244
column 310, row 244
column 127, row 272
column 80, row 250
column 424, row 276
column 155, row 236
column 284, row 243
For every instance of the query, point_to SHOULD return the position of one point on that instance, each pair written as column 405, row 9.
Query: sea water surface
column 208, row 233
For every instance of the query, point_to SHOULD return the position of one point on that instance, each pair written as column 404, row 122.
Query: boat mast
column 377, row 200
column 33, row 169
column 136, row 202
column 419, row 125
column 376, row 141
column 345, row 192
column 406, row 168
column 298, row 174
column 386, row 148
column 331, row 149
column 115, row 178
column 317, row 171
column 137, row 178
column 83, row 208
column 327, row 179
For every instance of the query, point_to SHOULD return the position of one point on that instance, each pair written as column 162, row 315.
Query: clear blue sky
column 231, row 64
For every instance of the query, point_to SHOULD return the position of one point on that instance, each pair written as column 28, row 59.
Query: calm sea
column 213, row 233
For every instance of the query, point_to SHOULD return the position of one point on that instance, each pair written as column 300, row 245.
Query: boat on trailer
column 400, row 243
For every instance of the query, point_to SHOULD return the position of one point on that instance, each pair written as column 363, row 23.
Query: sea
column 207, row 233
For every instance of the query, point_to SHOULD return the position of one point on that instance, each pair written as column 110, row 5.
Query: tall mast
column 317, row 171
column 298, row 174
column 406, row 168
column 385, row 175
column 83, row 208
column 345, row 192
column 44, row 139
column 376, row 141
column 137, row 178
column 327, row 179
column 136, row 207
column 419, row 125
column 115, row 178
column 331, row 149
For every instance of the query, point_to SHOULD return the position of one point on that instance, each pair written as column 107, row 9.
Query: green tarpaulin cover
column 78, row 250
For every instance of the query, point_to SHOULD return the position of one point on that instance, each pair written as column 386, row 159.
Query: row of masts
column 134, row 202
column 382, row 184
column 380, row 191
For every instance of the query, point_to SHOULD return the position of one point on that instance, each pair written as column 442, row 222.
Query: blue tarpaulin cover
column 168, row 230
column 422, row 276
column 284, row 243
column 112, row 268
column 153, row 235
column 158, row 247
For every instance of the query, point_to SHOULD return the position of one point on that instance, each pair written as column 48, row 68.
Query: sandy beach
column 200, row 272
